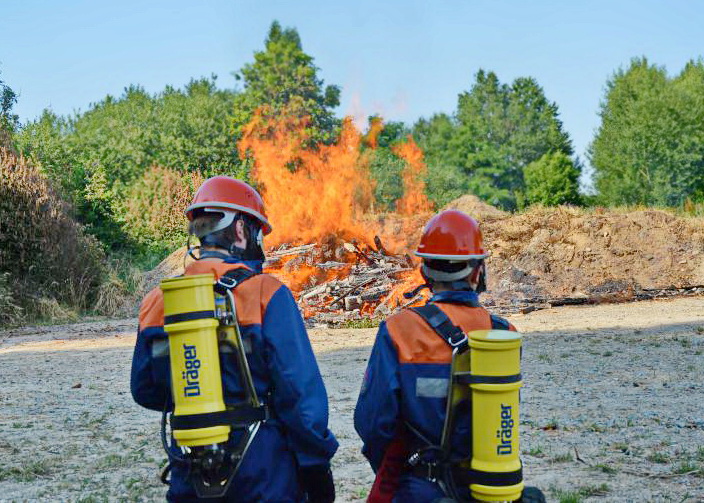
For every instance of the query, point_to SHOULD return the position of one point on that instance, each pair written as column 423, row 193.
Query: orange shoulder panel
column 151, row 312
column 261, row 287
column 467, row 318
column 416, row 342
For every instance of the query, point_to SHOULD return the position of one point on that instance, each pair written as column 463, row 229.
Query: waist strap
column 239, row 417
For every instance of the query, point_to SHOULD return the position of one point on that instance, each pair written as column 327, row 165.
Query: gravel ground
column 612, row 409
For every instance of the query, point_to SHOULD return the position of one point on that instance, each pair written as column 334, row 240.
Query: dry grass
column 44, row 253
column 10, row 312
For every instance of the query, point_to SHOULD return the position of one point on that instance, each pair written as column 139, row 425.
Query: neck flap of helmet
column 454, row 274
column 253, row 251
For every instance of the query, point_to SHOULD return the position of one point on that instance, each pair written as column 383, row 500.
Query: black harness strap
column 471, row 476
column 239, row 417
column 233, row 278
column 212, row 254
column 193, row 315
column 465, row 476
column 443, row 326
column 468, row 378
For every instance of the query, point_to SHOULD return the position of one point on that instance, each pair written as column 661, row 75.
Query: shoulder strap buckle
column 232, row 278
column 460, row 344
column 443, row 326
column 227, row 282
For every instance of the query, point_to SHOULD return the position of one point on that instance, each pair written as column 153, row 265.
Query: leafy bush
column 43, row 251
column 154, row 209
column 552, row 180
column 386, row 168
column 445, row 184
column 10, row 312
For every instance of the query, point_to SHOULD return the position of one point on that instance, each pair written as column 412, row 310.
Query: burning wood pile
column 339, row 281
column 325, row 195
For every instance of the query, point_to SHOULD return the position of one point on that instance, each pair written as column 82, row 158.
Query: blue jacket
column 406, row 383
column 285, row 374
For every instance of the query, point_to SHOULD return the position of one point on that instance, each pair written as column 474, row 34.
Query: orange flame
column 410, row 280
column 414, row 200
column 309, row 193
column 376, row 126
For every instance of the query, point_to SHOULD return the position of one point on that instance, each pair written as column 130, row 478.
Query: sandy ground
column 612, row 407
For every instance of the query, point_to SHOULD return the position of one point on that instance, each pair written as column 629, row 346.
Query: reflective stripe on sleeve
column 160, row 347
column 431, row 387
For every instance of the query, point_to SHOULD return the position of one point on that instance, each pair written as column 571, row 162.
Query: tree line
column 504, row 142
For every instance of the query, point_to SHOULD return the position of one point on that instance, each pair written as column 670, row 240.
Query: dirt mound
column 172, row 265
column 475, row 207
column 568, row 251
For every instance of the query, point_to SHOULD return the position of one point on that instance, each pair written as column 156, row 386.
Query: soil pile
column 565, row 252
column 476, row 208
column 595, row 254
column 172, row 265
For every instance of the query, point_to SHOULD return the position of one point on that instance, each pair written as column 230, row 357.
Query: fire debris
column 342, row 281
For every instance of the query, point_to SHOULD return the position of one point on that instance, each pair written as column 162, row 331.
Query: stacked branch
column 346, row 280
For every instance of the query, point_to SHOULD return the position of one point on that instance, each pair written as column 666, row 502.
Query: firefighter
column 401, row 410
column 289, row 457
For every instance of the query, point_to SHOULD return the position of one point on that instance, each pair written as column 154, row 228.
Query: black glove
column 317, row 483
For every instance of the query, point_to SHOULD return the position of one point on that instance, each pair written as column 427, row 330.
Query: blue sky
column 404, row 59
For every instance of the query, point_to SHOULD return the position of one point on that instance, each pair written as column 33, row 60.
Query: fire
column 322, row 194
column 376, row 125
column 309, row 193
column 409, row 282
column 414, row 200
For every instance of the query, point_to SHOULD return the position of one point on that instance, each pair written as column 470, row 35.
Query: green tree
column 386, row 169
column 649, row 148
column 283, row 76
column 434, row 136
column 446, row 181
column 8, row 120
column 385, row 166
column 552, row 180
column 497, row 130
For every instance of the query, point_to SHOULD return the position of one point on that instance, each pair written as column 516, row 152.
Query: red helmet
column 226, row 194
column 451, row 235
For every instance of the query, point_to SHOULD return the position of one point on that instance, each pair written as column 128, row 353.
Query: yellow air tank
column 190, row 322
column 495, row 381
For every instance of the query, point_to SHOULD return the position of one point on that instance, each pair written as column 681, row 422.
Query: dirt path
column 613, row 408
